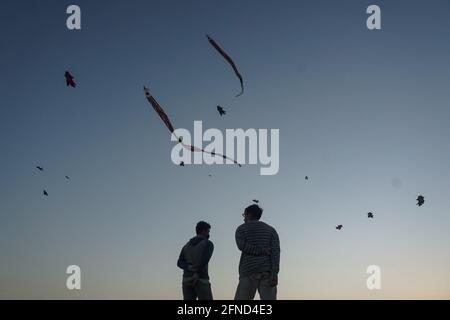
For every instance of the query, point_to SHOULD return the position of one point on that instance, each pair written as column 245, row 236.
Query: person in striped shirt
column 260, row 258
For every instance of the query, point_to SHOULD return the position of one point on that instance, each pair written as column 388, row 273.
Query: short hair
column 202, row 225
column 255, row 210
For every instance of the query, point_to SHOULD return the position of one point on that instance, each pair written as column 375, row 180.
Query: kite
column 255, row 201
column 182, row 164
column 306, row 178
column 229, row 60
column 159, row 110
column 67, row 177
column 339, row 227
column 45, row 193
column 420, row 200
column 221, row 110
column 39, row 168
column 69, row 79
column 370, row 215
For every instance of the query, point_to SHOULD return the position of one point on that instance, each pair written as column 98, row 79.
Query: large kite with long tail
column 229, row 60
column 160, row 111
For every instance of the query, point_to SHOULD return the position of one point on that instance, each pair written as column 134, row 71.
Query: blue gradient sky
column 363, row 113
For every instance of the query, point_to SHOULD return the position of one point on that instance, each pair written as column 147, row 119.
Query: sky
column 364, row 113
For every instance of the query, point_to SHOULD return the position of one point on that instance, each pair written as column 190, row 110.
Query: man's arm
column 206, row 256
column 182, row 263
column 275, row 256
column 248, row 248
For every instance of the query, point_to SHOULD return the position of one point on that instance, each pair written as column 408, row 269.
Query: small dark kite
column 69, row 79
column 221, row 110
column 420, row 200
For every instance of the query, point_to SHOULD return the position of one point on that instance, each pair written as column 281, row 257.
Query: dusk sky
column 363, row 113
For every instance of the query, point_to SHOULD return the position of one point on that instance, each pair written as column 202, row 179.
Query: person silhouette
column 260, row 257
column 194, row 258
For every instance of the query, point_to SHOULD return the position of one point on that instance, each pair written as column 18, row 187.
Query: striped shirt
column 252, row 238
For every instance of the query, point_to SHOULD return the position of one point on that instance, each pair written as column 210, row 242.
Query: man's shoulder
column 256, row 223
column 268, row 226
column 264, row 224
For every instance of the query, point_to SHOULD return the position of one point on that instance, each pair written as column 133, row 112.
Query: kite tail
column 160, row 111
column 242, row 90
column 229, row 60
column 223, row 156
column 197, row 149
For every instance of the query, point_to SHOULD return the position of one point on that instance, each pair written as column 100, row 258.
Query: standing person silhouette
column 260, row 258
column 194, row 258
